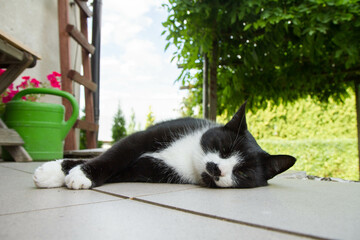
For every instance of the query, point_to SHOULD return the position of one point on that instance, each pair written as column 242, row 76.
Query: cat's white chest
column 185, row 155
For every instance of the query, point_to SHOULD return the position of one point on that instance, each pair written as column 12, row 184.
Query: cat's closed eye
column 240, row 173
column 224, row 153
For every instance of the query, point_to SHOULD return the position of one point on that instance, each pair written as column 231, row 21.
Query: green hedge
column 325, row 158
column 305, row 119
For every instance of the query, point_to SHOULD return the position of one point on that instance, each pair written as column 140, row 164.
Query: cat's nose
column 213, row 169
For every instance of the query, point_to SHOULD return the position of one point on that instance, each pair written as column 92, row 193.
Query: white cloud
column 135, row 71
column 122, row 20
column 130, row 9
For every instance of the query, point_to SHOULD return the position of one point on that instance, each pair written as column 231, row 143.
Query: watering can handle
column 71, row 121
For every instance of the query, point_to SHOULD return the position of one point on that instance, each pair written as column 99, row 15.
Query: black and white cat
column 193, row 151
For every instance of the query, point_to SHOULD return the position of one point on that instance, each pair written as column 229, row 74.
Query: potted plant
column 28, row 82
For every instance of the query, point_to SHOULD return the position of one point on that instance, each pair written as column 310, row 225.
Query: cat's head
column 234, row 159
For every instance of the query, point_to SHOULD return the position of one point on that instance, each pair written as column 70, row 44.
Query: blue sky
column 135, row 71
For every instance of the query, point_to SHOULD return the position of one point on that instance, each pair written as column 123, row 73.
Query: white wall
column 35, row 24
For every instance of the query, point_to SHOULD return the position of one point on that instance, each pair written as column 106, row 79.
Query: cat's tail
column 56, row 174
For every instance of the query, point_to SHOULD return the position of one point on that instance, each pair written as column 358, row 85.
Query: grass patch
column 324, row 158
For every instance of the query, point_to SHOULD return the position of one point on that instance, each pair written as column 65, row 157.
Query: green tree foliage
column 132, row 123
column 83, row 136
column 269, row 51
column 118, row 129
column 150, row 118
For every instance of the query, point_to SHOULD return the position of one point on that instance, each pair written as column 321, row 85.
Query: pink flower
column 55, row 84
column 24, row 84
column 56, row 74
column 12, row 93
column 35, row 82
column 50, row 76
column 6, row 99
column 9, row 95
column 53, row 81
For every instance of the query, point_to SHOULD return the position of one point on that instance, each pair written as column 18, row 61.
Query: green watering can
column 41, row 125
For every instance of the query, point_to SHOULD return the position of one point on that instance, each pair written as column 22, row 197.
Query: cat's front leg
column 77, row 179
column 49, row 175
column 53, row 174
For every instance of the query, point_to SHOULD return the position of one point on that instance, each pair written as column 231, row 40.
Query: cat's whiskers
column 236, row 142
column 238, row 133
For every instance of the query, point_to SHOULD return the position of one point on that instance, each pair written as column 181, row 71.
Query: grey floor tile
column 28, row 167
column 18, row 194
column 143, row 189
column 325, row 209
column 124, row 219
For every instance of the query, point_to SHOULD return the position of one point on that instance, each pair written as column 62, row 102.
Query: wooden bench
column 15, row 57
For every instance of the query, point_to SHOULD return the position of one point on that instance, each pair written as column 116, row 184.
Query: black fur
column 123, row 161
column 126, row 162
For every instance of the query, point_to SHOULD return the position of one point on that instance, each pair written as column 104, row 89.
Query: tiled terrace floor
column 286, row 209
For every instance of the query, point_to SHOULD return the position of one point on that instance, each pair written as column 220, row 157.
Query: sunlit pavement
column 286, row 209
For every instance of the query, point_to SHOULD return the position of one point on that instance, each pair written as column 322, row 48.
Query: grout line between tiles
column 111, row 194
column 212, row 216
column 151, row 194
column 229, row 219
column 145, row 195
column 23, row 171
column 59, row 207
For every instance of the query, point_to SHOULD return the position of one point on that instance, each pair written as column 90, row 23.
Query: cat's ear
column 238, row 121
column 276, row 164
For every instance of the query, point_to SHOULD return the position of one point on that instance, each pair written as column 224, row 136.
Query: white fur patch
column 49, row 175
column 226, row 166
column 185, row 155
column 76, row 179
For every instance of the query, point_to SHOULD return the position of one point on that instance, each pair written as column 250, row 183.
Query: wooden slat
column 84, row 7
column 9, row 137
column 84, row 154
column 80, row 38
column 18, row 153
column 66, row 83
column 74, row 75
column 89, row 96
column 85, row 125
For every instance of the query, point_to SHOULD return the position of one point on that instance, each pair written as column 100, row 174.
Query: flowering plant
column 29, row 82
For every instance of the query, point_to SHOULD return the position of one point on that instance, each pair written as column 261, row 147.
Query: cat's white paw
column 49, row 175
column 76, row 179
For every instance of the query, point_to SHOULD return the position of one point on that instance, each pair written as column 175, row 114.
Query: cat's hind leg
column 52, row 174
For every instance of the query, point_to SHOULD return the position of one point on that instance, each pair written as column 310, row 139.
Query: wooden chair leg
column 16, row 151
